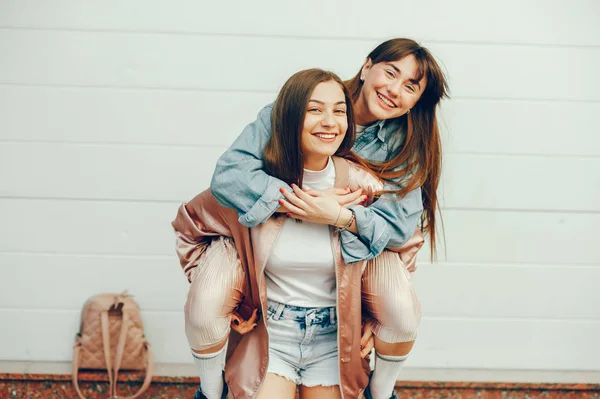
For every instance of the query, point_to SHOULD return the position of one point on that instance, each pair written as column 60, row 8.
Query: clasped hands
column 318, row 206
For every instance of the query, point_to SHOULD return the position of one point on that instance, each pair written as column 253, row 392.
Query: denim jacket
column 239, row 182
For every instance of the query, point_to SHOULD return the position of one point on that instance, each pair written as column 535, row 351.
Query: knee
column 206, row 322
column 210, row 302
column 402, row 318
column 203, row 308
column 397, row 319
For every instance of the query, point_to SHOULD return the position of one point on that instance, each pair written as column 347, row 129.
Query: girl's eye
column 313, row 109
column 340, row 111
column 411, row 88
column 389, row 73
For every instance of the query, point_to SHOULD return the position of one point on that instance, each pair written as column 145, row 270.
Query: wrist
column 345, row 216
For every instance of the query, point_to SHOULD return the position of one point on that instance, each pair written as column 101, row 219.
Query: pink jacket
column 203, row 218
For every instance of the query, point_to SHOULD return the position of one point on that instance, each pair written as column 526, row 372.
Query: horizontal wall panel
column 50, row 335
column 173, row 61
column 524, row 72
column 553, row 22
column 140, row 228
column 127, row 115
column 545, row 238
column 157, row 283
column 87, row 227
column 179, row 173
column 525, row 183
column 443, row 343
column 106, row 172
column 206, row 118
column 505, row 343
column 520, row 291
column 561, row 292
column 518, row 127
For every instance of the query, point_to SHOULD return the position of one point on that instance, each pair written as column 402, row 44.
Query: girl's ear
column 365, row 68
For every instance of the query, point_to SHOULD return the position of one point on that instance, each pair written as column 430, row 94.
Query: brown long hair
column 419, row 161
column 283, row 157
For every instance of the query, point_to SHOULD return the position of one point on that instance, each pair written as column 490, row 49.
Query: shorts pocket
column 271, row 310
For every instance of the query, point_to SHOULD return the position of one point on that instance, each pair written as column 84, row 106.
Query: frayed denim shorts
column 303, row 344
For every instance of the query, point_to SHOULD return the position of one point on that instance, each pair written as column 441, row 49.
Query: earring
column 362, row 78
column 408, row 112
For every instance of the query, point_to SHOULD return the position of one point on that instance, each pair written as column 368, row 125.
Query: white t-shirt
column 301, row 268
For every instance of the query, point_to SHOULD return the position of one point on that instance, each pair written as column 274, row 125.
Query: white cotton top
column 301, row 268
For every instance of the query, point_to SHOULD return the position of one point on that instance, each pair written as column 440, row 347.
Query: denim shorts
column 303, row 344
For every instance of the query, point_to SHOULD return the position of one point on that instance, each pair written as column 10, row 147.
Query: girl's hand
column 317, row 207
column 367, row 341
column 243, row 326
column 343, row 196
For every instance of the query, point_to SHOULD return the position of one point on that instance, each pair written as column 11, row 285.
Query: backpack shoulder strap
column 106, row 347
column 342, row 169
column 75, row 372
column 125, row 324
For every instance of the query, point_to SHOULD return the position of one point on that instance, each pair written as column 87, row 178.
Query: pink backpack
column 112, row 338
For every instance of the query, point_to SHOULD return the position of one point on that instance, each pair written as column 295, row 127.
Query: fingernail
column 347, row 188
column 281, row 201
column 281, row 190
column 288, row 215
column 364, row 197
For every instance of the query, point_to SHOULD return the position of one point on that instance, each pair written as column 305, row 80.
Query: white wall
column 113, row 112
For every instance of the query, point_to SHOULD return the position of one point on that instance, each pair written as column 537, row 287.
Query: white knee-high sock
column 387, row 370
column 210, row 366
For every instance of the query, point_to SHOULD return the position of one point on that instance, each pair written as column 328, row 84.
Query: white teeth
column 386, row 101
column 325, row 136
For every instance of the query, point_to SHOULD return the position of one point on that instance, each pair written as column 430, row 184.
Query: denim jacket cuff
column 354, row 249
column 265, row 207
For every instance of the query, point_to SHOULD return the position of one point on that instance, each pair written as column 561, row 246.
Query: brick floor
column 94, row 386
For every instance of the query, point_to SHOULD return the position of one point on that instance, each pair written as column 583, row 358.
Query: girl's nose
column 394, row 88
column 327, row 120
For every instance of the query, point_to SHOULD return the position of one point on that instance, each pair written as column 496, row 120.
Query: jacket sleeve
column 408, row 251
column 389, row 222
column 239, row 181
column 197, row 222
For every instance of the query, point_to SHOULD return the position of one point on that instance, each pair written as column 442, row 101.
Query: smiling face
column 325, row 124
column 390, row 89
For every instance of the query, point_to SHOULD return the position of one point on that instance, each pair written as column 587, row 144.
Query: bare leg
column 393, row 349
column 276, row 386
column 320, row 392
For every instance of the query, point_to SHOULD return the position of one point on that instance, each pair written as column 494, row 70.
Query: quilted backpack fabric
column 112, row 338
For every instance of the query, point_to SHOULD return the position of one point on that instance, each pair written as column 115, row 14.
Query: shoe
column 200, row 395
column 367, row 392
column 368, row 395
